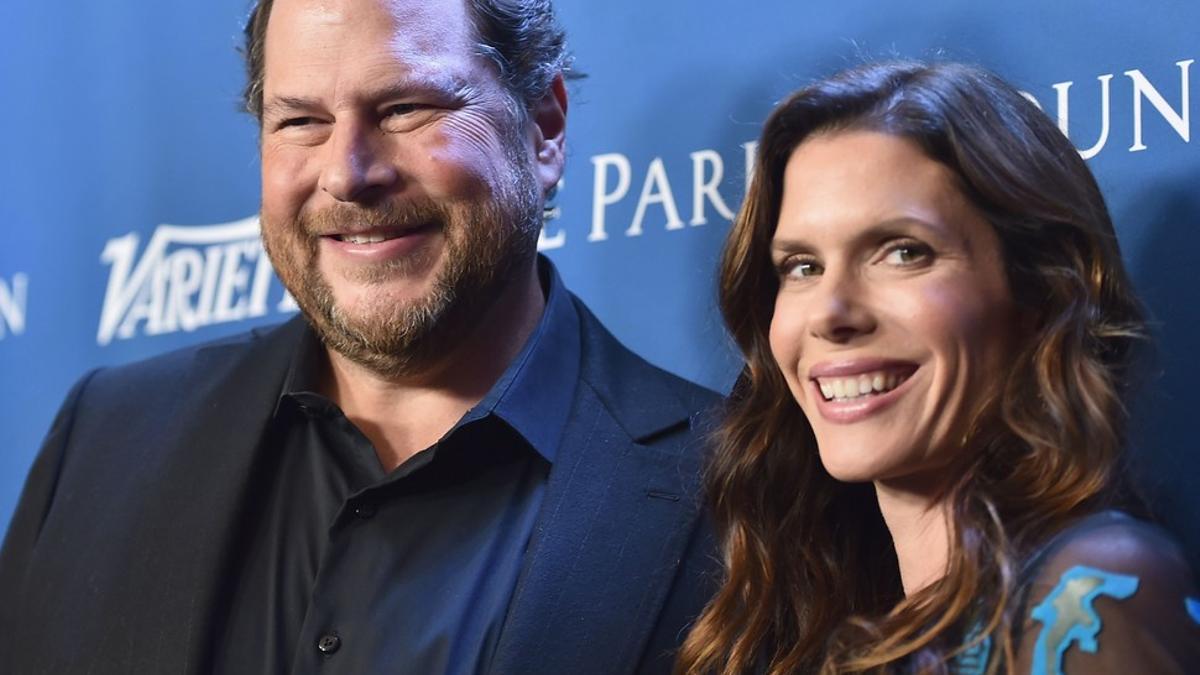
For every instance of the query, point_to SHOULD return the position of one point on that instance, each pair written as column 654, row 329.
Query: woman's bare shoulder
column 1112, row 594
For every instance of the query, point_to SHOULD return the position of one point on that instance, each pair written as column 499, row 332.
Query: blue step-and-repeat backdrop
column 129, row 180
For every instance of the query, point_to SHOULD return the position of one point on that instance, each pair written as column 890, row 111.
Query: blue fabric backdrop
column 121, row 118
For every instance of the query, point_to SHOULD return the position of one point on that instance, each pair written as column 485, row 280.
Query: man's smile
column 378, row 235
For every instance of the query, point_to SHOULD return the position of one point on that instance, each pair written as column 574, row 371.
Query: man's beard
column 485, row 245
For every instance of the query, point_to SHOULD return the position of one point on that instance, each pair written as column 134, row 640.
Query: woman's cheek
column 785, row 339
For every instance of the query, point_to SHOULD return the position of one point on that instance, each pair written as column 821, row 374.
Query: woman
column 918, row 462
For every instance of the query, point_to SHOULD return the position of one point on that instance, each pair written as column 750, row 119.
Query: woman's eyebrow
column 881, row 229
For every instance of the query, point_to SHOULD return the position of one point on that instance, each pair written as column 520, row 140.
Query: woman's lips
column 849, row 392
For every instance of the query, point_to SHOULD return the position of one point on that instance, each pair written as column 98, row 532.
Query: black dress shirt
column 344, row 568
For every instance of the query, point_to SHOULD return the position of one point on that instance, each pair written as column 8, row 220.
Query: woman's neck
column 920, row 530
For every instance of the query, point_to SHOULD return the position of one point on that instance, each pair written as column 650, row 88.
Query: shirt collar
column 534, row 394
column 303, row 377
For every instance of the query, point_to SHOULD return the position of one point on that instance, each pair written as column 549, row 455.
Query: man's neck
column 404, row 415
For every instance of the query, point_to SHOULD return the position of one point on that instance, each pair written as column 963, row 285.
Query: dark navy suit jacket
column 117, row 555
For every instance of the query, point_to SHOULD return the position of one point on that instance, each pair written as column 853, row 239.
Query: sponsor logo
column 14, row 303
column 1142, row 94
column 614, row 177
column 187, row 277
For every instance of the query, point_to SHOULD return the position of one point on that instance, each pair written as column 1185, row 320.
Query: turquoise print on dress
column 1067, row 615
column 1193, row 608
column 974, row 660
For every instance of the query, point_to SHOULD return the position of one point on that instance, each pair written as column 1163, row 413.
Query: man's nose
column 357, row 166
column 840, row 312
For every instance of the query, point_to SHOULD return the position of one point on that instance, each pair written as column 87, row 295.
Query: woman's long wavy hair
column 812, row 582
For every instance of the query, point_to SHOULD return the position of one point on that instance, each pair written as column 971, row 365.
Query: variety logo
column 187, row 278
column 14, row 301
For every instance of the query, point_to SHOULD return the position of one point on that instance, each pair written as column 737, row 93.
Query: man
column 450, row 467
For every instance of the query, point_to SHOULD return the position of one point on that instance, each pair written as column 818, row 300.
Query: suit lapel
column 620, row 507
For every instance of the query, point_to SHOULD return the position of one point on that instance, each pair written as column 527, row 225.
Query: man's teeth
column 858, row 386
column 366, row 238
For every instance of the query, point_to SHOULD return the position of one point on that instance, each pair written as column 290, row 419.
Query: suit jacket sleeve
column 37, row 499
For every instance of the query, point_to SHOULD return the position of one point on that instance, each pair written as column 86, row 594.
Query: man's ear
column 549, row 117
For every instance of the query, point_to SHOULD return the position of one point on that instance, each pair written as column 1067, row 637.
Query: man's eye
column 295, row 122
column 401, row 109
column 907, row 253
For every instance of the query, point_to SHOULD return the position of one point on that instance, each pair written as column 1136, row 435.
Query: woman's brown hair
column 811, row 581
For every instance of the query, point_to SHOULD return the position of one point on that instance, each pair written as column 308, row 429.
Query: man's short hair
column 522, row 37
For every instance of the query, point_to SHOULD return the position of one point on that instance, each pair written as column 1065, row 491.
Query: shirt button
column 364, row 510
column 329, row 644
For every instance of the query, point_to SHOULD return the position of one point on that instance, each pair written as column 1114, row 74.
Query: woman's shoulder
column 1110, row 594
column 1115, row 541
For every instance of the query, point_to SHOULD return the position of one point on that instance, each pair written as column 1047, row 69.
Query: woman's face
column 893, row 313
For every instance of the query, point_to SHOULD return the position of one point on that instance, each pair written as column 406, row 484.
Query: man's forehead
column 426, row 42
column 398, row 8
column 410, row 27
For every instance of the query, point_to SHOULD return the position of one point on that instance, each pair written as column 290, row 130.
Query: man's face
column 402, row 187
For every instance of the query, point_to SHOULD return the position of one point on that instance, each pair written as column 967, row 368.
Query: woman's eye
column 801, row 268
column 907, row 253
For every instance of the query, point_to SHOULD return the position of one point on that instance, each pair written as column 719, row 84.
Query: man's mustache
column 342, row 219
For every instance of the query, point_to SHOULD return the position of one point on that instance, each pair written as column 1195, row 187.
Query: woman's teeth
column 858, row 386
